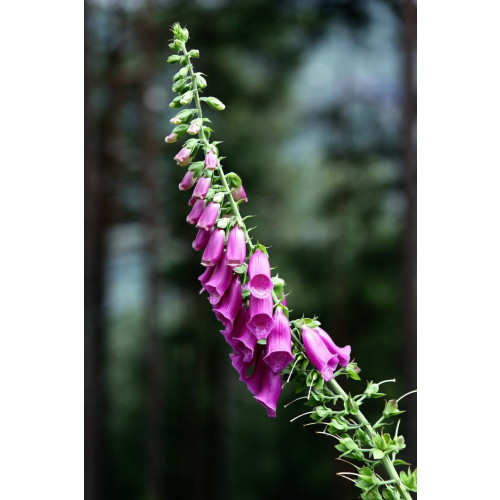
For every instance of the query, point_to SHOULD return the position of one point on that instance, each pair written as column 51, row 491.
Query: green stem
column 201, row 134
column 386, row 462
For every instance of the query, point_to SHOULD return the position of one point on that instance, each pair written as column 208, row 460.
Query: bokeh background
column 320, row 124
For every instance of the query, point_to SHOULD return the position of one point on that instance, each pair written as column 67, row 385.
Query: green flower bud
column 179, row 85
column 214, row 103
column 182, row 117
column 187, row 97
column 201, row 83
column 194, row 53
column 176, row 45
column 182, row 73
column 176, row 103
column 173, row 59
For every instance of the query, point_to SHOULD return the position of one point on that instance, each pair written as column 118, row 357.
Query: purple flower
column 217, row 285
column 243, row 340
column 205, row 277
column 260, row 314
column 209, row 216
column 187, row 181
column 240, row 365
column 270, row 390
column 238, row 194
column 192, row 201
column 318, row 353
column 202, row 238
column 279, row 343
column 215, row 248
column 259, row 272
column 171, row 138
column 236, row 247
column 211, row 160
column 196, row 212
column 343, row 353
column 194, row 128
column 202, row 187
column 183, row 157
column 228, row 307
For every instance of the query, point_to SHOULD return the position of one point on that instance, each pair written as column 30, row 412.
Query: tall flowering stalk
column 269, row 349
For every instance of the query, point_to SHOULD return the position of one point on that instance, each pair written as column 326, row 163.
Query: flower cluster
column 251, row 306
column 240, row 289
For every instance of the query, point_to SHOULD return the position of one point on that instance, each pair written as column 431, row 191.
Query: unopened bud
column 201, row 83
column 187, row 97
column 215, row 103
column 173, row 59
column 194, row 53
column 194, row 128
column 171, row 138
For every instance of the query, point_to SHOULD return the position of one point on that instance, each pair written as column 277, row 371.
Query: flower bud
column 196, row 212
column 187, row 97
column 215, row 248
column 194, row 53
column 215, row 103
column 202, row 239
column 317, row 352
column 209, row 216
column 182, row 117
column 238, row 194
column 211, row 160
column 201, row 83
column 187, row 181
column 202, row 187
column 171, row 138
column 182, row 73
column 236, row 247
column 183, row 157
column 173, row 59
column 194, row 128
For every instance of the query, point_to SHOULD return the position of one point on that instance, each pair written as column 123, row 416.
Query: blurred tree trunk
column 100, row 173
column 410, row 236
column 152, row 220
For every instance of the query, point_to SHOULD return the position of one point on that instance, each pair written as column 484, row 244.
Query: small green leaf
column 377, row 454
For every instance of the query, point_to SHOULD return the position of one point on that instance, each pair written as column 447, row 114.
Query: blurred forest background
column 320, row 123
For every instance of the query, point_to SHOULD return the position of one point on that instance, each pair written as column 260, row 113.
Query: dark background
column 320, row 124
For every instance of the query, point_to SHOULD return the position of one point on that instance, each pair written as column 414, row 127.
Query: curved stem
column 386, row 462
column 201, row 134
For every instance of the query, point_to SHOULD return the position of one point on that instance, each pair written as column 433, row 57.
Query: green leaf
column 377, row 454
column 400, row 462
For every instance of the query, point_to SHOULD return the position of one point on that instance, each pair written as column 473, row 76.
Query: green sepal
column 233, row 180
column 409, row 479
column 180, row 130
column 201, row 83
column 377, row 454
column 173, row 59
column 371, row 390
column 390, row 494
column 240, row 269
column 180, row 85
column 352, row 370
column 197, row 168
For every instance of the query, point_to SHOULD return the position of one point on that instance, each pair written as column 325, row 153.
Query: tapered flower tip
column 317, row 352
column 187, row 181
column 279, row 343
column 260, row 320
column 201, row 188
column 209, row 216
column 236, row 247
column 343, row 353
column 196, row 212
column 259, row 272
column 270, row 391
column 214, row 249
column 202, row 239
